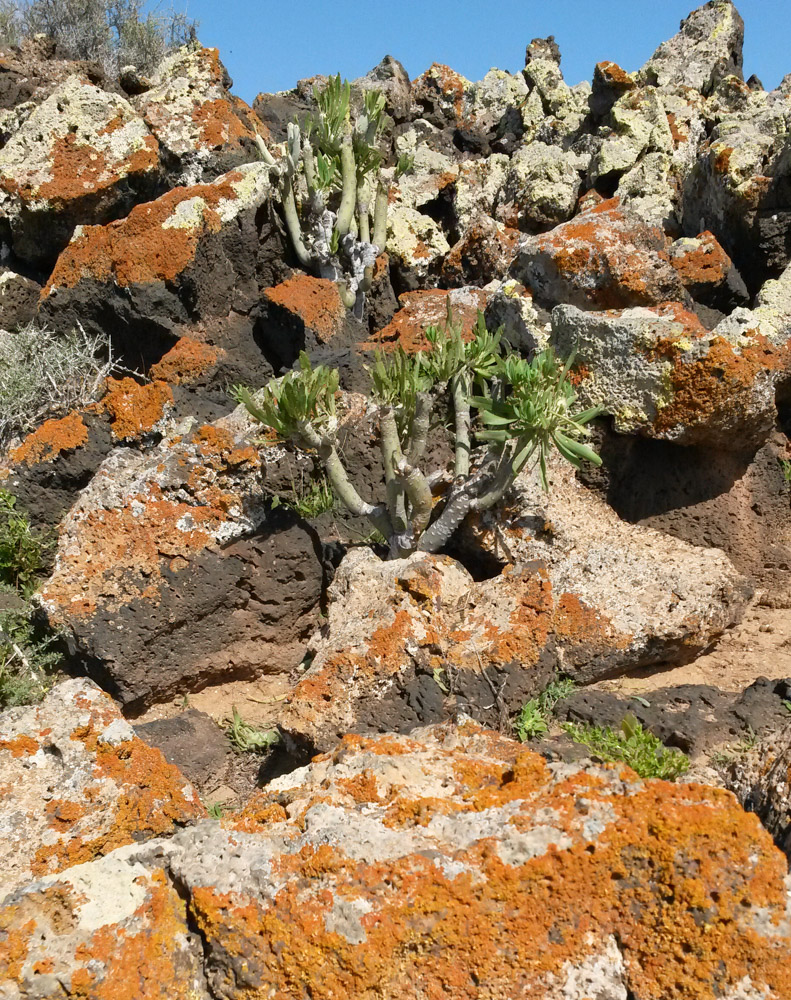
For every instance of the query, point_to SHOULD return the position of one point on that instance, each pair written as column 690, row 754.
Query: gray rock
column 761, row 780
column 707, row 48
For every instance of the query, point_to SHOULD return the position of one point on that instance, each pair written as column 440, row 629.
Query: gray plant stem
column 348, row 189
column 380, row 216
column 420, row 427
column 419, row 493
column 292, row 223
column 342, row 486
column 310, row 170
column 391, row 459
column 460, row 391
column 363, row 215
column 266, row 156
column 457, row 506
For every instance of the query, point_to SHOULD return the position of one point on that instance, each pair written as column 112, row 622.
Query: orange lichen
column 123, row 549
column 134, row 408
column 139, row 248
column 20, row 746
column 52, row 438
column 185, row 362
column 574, row 620
column 421, row 309
column 720, row 381
column 707, row 264
column 674, row 877
column 315, row 302
column 602, row 255
column 151, row 802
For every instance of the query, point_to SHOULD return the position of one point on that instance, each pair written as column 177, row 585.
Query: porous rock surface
column 77, row 783
column 452, row 861
column 761, row 780
column 171, row 572
column 415, row 640
column 83, row 156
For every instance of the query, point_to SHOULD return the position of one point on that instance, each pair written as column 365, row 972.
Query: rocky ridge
column 641, row 221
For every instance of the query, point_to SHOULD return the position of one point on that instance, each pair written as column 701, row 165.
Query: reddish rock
column 186, row 263
column 51, row 439
column 426, row 308
column 442, row 95
column 77, row 783
column 309, row 309
column 188, row 361
column 135, row 409
column 605, row 258
column 417, row 640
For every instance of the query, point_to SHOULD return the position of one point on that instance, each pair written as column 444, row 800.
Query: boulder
column 483, row 254
column 83, row 156
column 34, row 69
column 585, row 594
column 77, row 783
column 604, row 258
column 421, row 309
column 707, row 48
column 708, row 273
column 761, row 780
column 740, row 186
column 18, row 299
column 391, row 79
column 203, row 130
column 171, row 572
column 441, row 96
column 659, row 372
column 429, row 865
column 114, row 923
column 192, row 258
column 540, row 189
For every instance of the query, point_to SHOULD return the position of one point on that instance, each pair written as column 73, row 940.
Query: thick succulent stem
column 266, row 156
column 342, row 486
column 380, row 217
column 292, row 223
column 348, row 189
column 363, row 216
column 310, row 170
column 419, row 493
column 460, row 391
column 420, row 425
column 391, row 458
column 347, row 298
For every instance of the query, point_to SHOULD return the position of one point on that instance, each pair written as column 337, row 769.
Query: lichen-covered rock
column 426, row 865
column 34, row 69
column 604, row 258
column 418, row 310
column 660, row 372
column 391, row 79
column 739, row 186
column 479, row 188
column 18, row 299
column 637, row 124
column 203, row 129
column 708, row 273
column 707, row 48
column 667, row 600
column 511, row 306
column 83, row 156
column 171, row 572
column 302, row 313
column 416, row 244
column 586, row 594
column 441, row 96
column 541, row 188
column 610, row 83
column 483, row 254
column 77, row 783
column 761, row 780
column 554, row 112
column 192, row 256
column 110, row 925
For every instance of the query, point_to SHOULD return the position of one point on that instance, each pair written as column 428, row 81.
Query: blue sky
column 268, row 46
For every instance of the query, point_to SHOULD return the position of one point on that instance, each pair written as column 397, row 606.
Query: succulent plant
column 525, row 410
column 335, row 233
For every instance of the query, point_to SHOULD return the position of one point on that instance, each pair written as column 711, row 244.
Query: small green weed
column 22, row 548
column 245, row 738
column 785, row 466
column 787, row 705
column 533, row 719
column 633, row 745
column 215, row 811
column 308, row 499
column 27, row 661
